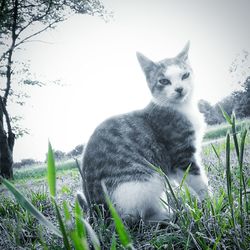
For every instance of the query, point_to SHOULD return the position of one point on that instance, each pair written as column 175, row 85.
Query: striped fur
column 165, row 133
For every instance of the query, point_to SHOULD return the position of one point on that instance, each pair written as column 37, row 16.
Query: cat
column 166, row 133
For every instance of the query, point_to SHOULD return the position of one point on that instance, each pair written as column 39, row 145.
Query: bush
column 25, row 162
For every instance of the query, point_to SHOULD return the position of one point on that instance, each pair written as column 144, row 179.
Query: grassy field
column 220, row 222
column 220, row 131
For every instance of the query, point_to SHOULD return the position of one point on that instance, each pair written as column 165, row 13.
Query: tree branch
column 36, row 19
column 2, row 6
column 38, row 32
column 9, row 63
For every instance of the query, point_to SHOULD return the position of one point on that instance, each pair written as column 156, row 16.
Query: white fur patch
column 173, row 70
column 135, row 199
column 198, row 184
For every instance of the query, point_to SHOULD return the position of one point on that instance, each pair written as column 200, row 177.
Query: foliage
column 25, row 162
column 238, row 102
column 20, row 22
column 78, row 150
column 39, row 171
column 71, row 234
column 221, row 222
column 220, row 131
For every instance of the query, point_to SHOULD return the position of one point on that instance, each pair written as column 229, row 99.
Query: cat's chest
column 175, row 127
column 193, row 116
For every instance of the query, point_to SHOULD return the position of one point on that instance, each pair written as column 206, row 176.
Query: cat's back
column 116, row 152
column 124, row 129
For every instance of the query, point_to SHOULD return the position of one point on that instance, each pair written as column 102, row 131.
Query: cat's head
column 169, row 80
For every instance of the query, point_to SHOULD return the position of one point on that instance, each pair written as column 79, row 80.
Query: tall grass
column 220, row 222
column 220, row 131
column 72, row 234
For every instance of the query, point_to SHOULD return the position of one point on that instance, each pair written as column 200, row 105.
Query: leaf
column 120, row 228
column 93, row 236
column 80, row 244
column 66, row 211
column 79, row 169
column 62, row 227
column 242, row 179
column 78, row 220
column 22, row 200
column 185, row 175
column 172, row 191
column 159, row 170
column 51, row 171
column 229, row 178
column 236, row 144
column 226, row 116
column 242, row 144
column 113, row 243
column 215, row 151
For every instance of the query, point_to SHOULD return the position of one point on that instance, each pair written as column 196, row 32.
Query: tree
column 210, row 112
column 243, row 105
column 59, row 155
column 20, row 22
column 77, row 151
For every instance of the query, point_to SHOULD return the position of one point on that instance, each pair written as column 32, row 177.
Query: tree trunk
column 6, row 144
column 6, row 160
column 7, row 139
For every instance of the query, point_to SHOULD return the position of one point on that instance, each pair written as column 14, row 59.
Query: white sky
column 96, row 61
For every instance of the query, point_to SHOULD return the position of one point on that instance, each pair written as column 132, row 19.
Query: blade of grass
column 242, row 179
column 66, row 211
column 120, row 227
column 23, row 201
column 51, row 171
column 236, row 144
column 229, row 187
column 94, row 239
column 216, row 153
column 159, row 170
column 62, row 227
column 229, row 178
column 113, row 243
column 225, row 114
column 188, row 239
column 79, row 169
column 240, row 153
column 80, row 244
column 237, row 150
column 86, row 192
column 78, row 220
column 172, row 191
column 185, row 175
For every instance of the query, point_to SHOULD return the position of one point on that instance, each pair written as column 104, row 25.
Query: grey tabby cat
column 166, row 133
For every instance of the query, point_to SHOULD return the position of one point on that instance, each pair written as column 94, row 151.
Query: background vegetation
column 221, row 222
column 237, row 102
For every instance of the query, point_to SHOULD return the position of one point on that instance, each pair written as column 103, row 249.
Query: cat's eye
column 185, row 76
column 164, row 81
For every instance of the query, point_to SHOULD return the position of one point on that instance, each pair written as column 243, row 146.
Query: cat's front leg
column 199, row 184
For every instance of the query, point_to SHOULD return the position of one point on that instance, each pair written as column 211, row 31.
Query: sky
column 95, row 63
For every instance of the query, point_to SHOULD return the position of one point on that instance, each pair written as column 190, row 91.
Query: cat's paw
column 82, row 200
column 204, row 194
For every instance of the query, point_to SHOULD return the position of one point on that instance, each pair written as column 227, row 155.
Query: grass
column 220, row 131
column 220, row 222
column 40, row 171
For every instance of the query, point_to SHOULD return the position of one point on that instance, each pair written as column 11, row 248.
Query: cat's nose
column 179, row 90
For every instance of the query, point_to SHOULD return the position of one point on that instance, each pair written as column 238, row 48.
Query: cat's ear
column 183, row 55
column 146, row 64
